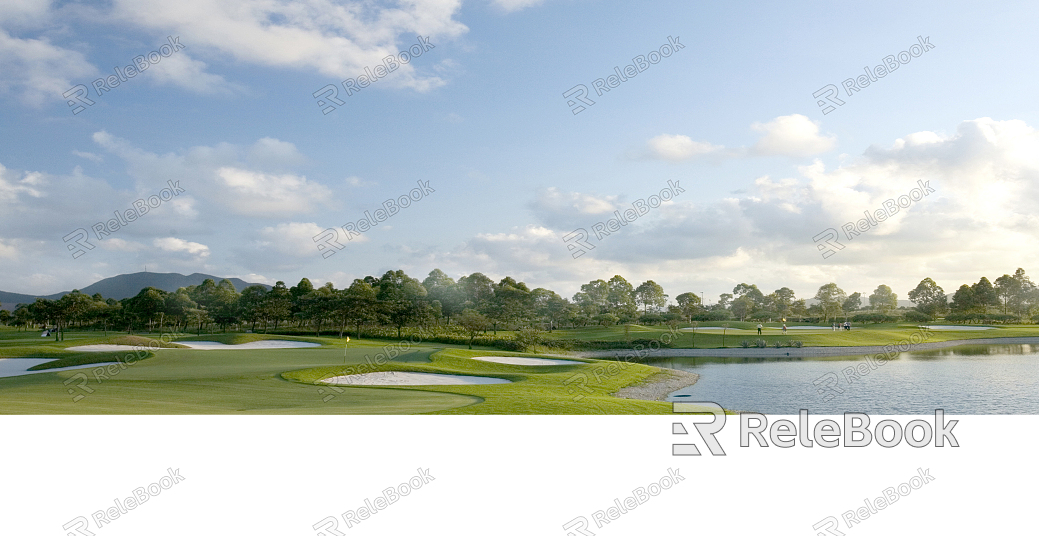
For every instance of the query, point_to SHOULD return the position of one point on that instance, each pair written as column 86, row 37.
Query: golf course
column 242, row 373
column 175, row 380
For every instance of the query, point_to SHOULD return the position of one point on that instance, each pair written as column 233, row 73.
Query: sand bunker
column 957, row 328
column 20, row 366
column 105, row 348
column 197, row 345
column 411, row 378
column 708, row 328
column 828, row 328
column 537, row 361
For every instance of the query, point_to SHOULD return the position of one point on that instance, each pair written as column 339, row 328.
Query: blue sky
column 482, row 118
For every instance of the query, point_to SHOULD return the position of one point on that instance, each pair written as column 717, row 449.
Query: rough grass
column 89, row 358
column 242, row 338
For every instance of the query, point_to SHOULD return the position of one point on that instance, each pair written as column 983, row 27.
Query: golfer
column 759, row 329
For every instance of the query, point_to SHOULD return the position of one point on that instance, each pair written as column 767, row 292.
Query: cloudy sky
column 227, row 112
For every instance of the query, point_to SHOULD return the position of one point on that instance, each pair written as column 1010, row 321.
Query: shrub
column 875, row 318
column 760, row 343
column 917, row 316
column 745, row 343
column 796, row 344
column 527, row 338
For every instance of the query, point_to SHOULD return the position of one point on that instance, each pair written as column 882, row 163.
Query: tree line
column 476, row 303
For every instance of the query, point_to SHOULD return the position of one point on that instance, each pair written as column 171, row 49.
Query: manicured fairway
column 283, row 381
column 216, row 381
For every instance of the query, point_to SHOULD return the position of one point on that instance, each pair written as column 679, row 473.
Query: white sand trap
column 828, row 328
column 20, row 366
column 411, row 378
column 104, row 348
column 958, row 328
column 255, row 345
column 527, row 361
column 709, row 328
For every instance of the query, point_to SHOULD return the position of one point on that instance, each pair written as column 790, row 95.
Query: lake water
column 965, row 380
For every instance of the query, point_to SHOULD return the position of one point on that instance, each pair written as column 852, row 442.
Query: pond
column 965, row 380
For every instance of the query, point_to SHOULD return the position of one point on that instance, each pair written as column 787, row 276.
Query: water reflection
column 975, row 379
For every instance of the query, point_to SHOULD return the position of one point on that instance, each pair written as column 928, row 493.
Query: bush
column 713, row 316
column 760, row 343
column 875, row 318
column 649, row 319
column 796, row 344
column 917, row 316
column 745, row 343
column 527, row 338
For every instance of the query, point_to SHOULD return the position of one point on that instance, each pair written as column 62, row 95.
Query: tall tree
column 689, row 304
column 831, row 299
column 401, row 298
column 444, row 289
column 750, row 291
column 620, row 298
column 852, row 303
column 883, row 300
column 963, row 300
column 478, row 290
column 984, row 295
column 929, row 297
column 650, row 294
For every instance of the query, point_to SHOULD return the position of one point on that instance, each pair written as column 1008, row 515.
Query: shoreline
column 811, row 351
column 659, row 386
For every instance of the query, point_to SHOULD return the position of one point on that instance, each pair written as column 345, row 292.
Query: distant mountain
column 128, row 285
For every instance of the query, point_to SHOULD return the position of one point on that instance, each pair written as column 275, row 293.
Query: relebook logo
column 826, row 433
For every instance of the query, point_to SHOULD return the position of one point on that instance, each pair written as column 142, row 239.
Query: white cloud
column 190, row 74
column 89, row 156
column 675, row 148
column 23, row 11
column 259, row 194
column 337, row 39
column 177, row 245
column 792, row 135
column 515, row 5
column 10, row 187
column 38, row 71
column 118, row 244
column 558, row 208
column 357, row 182
column 975, row 223
column 296, row 239
column 8, row 250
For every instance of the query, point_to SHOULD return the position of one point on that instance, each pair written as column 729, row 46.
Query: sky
column 245, row 156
